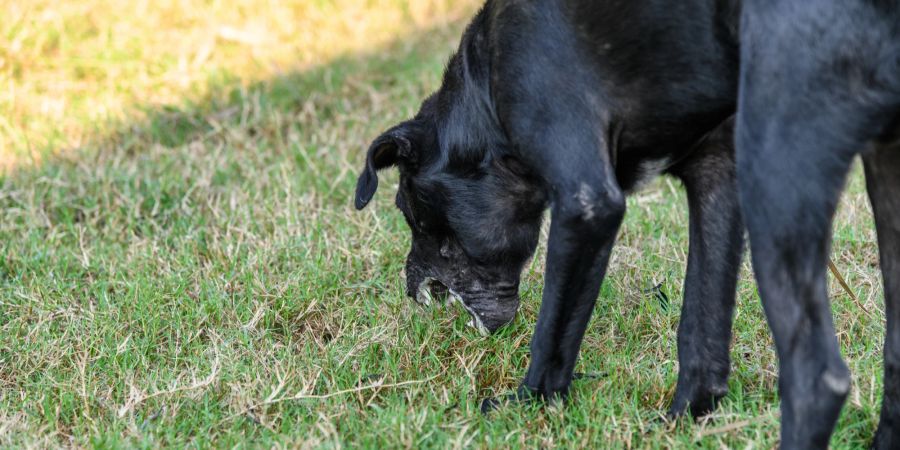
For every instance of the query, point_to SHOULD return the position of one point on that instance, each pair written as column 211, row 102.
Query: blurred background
column 72, row 70
column 181, row 265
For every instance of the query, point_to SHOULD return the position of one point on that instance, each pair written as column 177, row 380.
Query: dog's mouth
column 432, row 291
column 489, row 309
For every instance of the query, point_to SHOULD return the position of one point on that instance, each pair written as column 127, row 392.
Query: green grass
column 189, row 270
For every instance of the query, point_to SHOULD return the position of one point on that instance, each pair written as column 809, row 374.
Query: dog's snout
column 439, row 291
column 431, row 290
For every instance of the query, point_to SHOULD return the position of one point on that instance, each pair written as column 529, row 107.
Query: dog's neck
column 469, row 129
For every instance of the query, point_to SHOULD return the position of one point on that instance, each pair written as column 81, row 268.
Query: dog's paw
column 521, row 395
column 699, row 400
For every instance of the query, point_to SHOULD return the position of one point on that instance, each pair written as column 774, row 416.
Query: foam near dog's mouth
column 431, row 290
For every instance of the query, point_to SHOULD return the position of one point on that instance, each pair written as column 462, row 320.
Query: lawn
column 181, row 264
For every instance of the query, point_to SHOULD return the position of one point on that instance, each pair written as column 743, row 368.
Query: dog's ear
column 399, row 144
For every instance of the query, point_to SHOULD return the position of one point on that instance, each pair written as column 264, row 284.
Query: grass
column 180, row 263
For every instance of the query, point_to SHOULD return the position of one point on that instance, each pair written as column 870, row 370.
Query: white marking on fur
column 837, row 383
column 423, row 292
column 476, row 321
column 585, row 197
column 423, row 297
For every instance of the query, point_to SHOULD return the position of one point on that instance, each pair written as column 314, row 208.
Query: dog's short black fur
column 569, row 104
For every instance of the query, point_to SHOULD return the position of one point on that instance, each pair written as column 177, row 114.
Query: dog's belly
column 666, row 82
column 648, row 152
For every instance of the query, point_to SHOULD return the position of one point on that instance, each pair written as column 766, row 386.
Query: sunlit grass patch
column 73, row 70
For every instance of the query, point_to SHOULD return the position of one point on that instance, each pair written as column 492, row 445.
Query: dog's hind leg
column 809, row 102
column 883, row 182
column 716, row 244
column 789, row 190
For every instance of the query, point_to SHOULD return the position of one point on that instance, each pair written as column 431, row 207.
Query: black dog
column 820, row 83
column 569, row 104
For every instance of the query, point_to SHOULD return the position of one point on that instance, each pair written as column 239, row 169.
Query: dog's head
column 474, row 213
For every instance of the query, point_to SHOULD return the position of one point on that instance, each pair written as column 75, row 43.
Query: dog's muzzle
column 490, row 308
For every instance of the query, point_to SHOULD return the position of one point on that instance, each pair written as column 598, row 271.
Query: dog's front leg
column 556, row 117
column 587, row 207
column 582, row 232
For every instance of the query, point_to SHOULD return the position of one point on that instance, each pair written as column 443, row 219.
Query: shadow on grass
column 401, row 71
